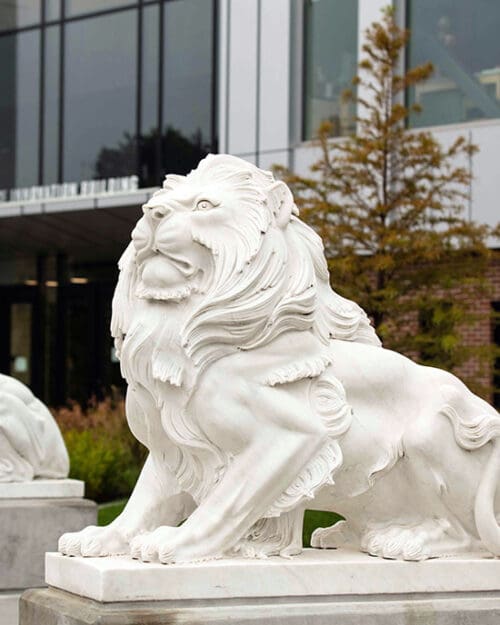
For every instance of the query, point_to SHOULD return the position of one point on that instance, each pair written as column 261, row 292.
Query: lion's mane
column 265, row 281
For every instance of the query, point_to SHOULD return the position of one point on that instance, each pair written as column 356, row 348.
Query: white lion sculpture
column 31, row 444
column 259, row 391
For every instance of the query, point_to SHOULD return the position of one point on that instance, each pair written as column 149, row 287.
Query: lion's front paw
column 168, row 545
column 93, row 542
column 158, row 545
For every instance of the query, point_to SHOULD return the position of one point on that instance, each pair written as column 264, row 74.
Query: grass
column 107, row 512
column 312, row 518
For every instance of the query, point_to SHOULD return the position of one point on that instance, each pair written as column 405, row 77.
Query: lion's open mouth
column 174, row 294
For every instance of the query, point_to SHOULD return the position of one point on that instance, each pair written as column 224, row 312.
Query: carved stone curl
column 259, row 391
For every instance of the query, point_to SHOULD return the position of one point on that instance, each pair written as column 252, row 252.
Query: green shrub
column 317, row 518
column 102, row 450
column 106, row 464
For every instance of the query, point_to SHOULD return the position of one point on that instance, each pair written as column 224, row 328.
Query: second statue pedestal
column 33, row 515
column 317, row 587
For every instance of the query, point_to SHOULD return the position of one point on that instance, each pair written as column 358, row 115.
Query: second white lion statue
column 259, row 391
column 31, row 445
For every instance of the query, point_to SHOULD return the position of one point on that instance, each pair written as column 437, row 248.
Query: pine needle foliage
column 391, row 207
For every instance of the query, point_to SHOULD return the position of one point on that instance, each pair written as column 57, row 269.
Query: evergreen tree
column 390, row 203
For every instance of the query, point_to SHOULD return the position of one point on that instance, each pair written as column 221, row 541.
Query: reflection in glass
column 79, row 342
column 19, row 13
column 20, row 341
column 100, row 97
column 19, row 109
column 51, row 105
column 149, row 70
column 89, row 370
column 80, row 7
column 461, row 39
column 187, row 85
column 52, row 10
column 149, row 144
column 331, row 40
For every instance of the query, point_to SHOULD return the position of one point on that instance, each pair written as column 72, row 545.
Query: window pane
column 51, row 107
column 80, row 7
column 19, row 109
column 149, row 145
column 52, row 10
column 150, row 62
column 100, row 97
column 331, row 41
column 187, row 83
column 19, row 13
column 461, row 39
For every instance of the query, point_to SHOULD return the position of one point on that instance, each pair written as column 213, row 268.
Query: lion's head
column 227, row 239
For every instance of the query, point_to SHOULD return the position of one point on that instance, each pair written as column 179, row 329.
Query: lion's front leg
column 273, row 449
column 152, row 503
column 157, row 498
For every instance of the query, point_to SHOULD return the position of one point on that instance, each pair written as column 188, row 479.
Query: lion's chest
column 152, row 354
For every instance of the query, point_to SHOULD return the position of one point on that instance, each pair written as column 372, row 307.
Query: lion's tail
column 475, row 424
column 484, row 509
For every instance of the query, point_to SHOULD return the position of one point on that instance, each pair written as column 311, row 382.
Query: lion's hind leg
column 335, row 536
column 274, row 536
column 476, row 427
column 436, row 517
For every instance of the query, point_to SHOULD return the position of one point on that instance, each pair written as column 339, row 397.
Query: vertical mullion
column 41, row 104
column 159, row 143
column 214, row 85
column 139, row 91
column 227, row 77
column 257, row 85
column 305, row 68
column 61, row 93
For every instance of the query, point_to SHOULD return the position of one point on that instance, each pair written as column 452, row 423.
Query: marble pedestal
column 317, row 588
column 32, row 517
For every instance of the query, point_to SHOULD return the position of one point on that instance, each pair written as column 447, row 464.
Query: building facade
column 100, row 98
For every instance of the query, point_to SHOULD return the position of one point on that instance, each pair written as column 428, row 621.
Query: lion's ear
column 281, row 203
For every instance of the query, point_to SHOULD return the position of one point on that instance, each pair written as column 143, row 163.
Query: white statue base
column 40, row 488
column 312, row 573
column 317, row 587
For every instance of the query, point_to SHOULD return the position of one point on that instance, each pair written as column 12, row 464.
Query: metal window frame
column 139, row 6
column 214, row 139
column 41, row 103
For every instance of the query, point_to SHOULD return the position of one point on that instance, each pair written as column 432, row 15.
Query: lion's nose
column 159, row 211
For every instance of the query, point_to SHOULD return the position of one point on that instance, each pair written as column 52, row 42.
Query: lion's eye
column 204, row 205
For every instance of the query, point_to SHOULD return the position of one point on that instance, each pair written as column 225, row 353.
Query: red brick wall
column 480, row 333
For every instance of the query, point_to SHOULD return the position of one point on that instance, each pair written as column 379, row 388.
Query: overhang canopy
column 93, row 228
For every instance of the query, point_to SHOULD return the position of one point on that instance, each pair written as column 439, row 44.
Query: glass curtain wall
column 19, row 108
column 330, row 63
column 96, row 89
column 19, row 13
column 100, row 103
column 461, row 39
